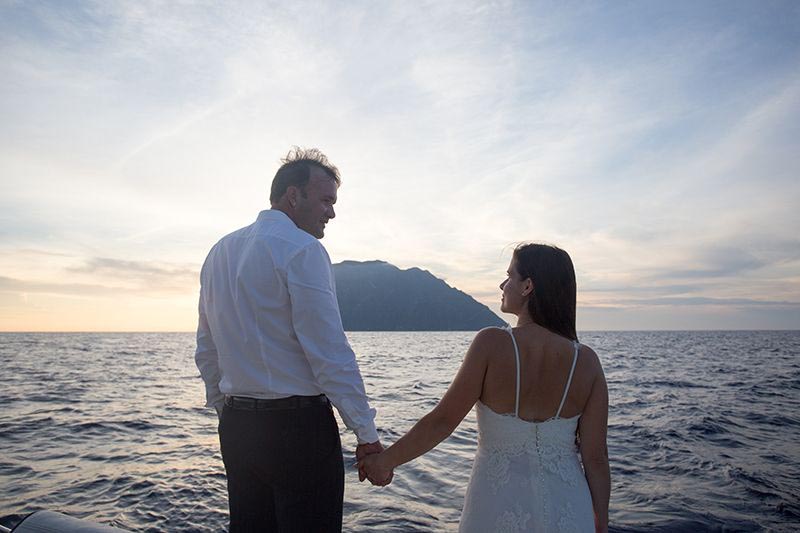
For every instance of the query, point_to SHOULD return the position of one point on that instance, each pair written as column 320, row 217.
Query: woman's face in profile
column 513, row 288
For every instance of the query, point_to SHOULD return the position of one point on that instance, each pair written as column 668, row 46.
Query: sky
column 657, row 142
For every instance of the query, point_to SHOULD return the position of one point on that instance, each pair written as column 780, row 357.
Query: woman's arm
column 593, row 428
column 437, row 425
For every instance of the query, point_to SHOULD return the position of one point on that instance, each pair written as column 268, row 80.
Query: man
column 273, row 355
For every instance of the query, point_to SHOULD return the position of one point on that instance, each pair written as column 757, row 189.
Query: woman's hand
column 378, row 471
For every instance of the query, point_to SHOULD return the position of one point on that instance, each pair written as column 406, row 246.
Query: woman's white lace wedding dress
column 527, row 475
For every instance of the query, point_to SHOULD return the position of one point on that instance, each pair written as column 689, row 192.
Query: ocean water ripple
column 702, row 431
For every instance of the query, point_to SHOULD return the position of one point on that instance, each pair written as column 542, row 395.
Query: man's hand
column 371, row 448
column 363, row 450
column 377, row 469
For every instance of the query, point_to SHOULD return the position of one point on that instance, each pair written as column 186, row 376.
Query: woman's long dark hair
column 552, row 302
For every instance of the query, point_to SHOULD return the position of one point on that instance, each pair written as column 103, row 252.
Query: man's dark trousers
column 284, row 465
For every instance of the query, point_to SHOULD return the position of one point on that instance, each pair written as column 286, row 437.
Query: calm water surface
column 703, row 431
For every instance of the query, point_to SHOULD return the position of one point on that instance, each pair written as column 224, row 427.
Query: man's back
column 269, row 324
column 246, row 301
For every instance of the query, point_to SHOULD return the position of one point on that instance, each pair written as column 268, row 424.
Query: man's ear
column 291, row 195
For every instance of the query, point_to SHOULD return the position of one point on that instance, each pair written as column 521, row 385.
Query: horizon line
column 419, row 331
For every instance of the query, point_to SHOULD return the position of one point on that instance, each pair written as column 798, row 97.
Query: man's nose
column 503, row 284
column 331, row 213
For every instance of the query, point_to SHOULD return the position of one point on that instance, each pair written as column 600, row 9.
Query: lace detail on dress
column 556, row 459
column 512, row 521
column 567, row 523
column 497, row 470
column 561, row 461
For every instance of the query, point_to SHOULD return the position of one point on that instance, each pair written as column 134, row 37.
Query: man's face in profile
column 313, row 211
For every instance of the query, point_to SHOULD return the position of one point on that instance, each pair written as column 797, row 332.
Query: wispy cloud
column 61, row 289
column 101, row 276
column 154, row 277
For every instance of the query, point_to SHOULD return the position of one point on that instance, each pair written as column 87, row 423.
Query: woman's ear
column 527, row 287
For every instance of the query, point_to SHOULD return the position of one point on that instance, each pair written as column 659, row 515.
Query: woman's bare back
column 545, row 362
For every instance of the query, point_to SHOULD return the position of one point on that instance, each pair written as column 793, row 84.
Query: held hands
column 370, row 464
column 376, row 469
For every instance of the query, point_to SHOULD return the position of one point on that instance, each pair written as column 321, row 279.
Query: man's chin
column 315, row 232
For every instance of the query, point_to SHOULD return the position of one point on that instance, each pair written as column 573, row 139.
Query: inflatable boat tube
column 52, row 522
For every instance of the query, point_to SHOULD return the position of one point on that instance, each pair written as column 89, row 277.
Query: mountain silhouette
column 378, row 296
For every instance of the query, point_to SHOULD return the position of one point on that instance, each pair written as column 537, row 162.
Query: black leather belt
column 259, row 404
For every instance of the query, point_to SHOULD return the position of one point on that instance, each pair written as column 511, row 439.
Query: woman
column 536, row 389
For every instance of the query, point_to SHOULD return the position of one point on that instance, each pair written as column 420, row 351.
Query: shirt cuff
column 215, row 399
column 367, row 435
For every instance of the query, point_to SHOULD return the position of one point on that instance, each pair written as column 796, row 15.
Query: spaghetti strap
column 569, row 379
column 516, row 357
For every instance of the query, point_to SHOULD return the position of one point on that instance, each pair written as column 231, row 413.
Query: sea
column 704, row 431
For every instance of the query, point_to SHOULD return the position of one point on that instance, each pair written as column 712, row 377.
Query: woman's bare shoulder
column 590, row 359
column 484, row 344
column 490, row 335
column 489, row 339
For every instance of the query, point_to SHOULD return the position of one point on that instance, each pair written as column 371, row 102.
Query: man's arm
column 318, row 326
column 207, row 359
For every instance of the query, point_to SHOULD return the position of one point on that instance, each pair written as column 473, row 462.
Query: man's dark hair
column 296, row 171
column 552, row 302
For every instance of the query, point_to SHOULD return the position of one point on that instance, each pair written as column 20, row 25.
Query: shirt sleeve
column 318, row 326
column 206, row 357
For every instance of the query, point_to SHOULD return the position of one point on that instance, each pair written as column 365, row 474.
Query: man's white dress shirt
column 269, row 322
